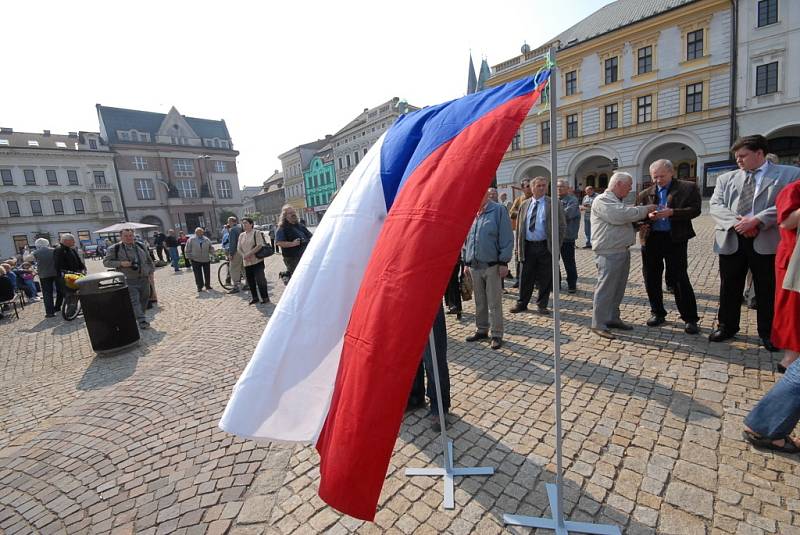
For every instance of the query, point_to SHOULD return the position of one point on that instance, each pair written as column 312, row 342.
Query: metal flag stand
column 555, row 491
column 448, row 471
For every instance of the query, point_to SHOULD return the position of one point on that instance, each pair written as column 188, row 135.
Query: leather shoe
column 655, row 321
column 497, row 343
column 767, row 343
column 518, row 308
column 720, row 335
column 621, row 325
column 475, row 337
column 691, row 328
column 544, row 311
column 603, row 333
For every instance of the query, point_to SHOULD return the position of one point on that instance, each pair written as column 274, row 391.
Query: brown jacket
column 684, row 199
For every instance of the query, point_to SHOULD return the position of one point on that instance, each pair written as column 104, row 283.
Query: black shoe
column 497, row 343
column 414, row 404
column 780, row 368
column 265, row 301
column 49, row 315
column 767, row 343
column 253, row 302
column 622, row 326
column 691, row 328
column 604, row 333
column 435, row 425
column 475, row 337
column 544, row 311
column 572, row 290
column 587, row 246
column 208, row 287
column 655, row 321
column 233, row 291
column 200, row 289
column 720, row 335
column 671, row 289
column 453, row 310
column 517, row 309
column 515, row 285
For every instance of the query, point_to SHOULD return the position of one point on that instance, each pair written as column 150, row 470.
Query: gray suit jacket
column 725, row 201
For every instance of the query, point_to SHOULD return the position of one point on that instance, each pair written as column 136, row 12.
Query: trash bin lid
column 101, row 282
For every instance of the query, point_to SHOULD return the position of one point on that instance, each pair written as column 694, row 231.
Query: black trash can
column 108, row 312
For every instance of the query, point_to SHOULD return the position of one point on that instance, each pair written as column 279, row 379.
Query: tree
column 224, row 215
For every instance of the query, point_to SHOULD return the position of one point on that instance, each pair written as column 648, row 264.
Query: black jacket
column 68, row 259
column 684, row 199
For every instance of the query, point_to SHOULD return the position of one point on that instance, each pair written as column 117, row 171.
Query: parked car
column 90, row 251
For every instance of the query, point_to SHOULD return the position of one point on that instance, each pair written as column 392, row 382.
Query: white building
column 767, row 79
column 53, row 184
column 248, row 203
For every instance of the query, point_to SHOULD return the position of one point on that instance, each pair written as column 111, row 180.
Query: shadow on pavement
column 108, row 370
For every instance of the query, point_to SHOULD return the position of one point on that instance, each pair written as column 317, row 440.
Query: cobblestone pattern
column 652, row 426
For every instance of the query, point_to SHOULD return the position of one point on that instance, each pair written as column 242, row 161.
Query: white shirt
column 539, row 232
column 758, row 177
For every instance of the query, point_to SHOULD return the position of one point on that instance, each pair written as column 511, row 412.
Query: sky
column 279, row 73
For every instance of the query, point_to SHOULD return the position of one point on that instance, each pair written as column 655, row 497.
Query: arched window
column 590, row 181
column 684, row 170
column 603, row 181
column 106, row 204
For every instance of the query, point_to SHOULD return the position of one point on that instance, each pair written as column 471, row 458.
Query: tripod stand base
column 561, row 527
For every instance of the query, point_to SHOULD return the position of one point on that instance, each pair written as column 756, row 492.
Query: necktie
column 534, row 211
column 745, row 205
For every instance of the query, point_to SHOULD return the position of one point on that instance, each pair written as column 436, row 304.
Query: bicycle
column 224, row 275
column 71, row 305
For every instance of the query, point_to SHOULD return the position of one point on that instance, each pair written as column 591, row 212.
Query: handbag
column 466, row 286
column 266, row 250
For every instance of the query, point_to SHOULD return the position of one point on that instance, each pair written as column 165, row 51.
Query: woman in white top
column 250, row 241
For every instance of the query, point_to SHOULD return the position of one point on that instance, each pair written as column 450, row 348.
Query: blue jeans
column 587, row 230
column 29, row 288
column 778, row 412
column 173, row 256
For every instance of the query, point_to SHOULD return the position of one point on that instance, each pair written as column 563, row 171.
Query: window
column 572, row 126
column 93, row 144
column 5, row 174
column 84, row 235
column 347, row 157
column 187, row 189
column 106, row 204
column 58, row 207
column 3, row 142
column 684, row 170
column 140, row 163
column 223, row 144
column 224, row 189
column 99, row 178
column 72, row 177
column 545, row 132
column 767, row 79
column 33, row 143
column 516, row 143
column 219, row 166
column 36, row 207
column 645, row 60
column 30, row 177
column 78, row 205
column 144, row 137
column 644, row 107
column 61, row 145
column 183, row 167
column 612, row 116
column 52, row 179
column 694, row 97
column 144, row 189
column 123, row 136
column 612, row 65
column 694, row 45
column 341, row 165
column 571, row 82
column 13, row 208
column 767, row 12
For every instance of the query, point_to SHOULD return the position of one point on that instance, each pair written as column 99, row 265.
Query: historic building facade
column 294, row 162
column 638, row 81
column 271, row 199
column 51, row 184
column 320, row 183
column 175, row 171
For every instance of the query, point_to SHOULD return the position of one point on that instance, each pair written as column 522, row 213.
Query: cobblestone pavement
column 129, row 443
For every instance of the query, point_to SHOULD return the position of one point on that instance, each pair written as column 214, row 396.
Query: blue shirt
column 540, row 232
column 662, row 225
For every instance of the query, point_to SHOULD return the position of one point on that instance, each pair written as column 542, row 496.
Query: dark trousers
column 186, row 261
column 61, row 290
column 48, row 288
column 568, row 258
column 202, row 270
column 418, row 389
column 452, row 295
column 256, row 280
column 160, row 252
column 660, row 250
column 732, row 274
column 536, row 269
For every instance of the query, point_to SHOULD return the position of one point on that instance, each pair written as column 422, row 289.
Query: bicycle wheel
column 71, row 307
column 224, row 275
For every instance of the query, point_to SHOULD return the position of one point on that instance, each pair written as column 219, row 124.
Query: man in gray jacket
column 612, row 236
column 131, row 259
column 487, row 251
column 572, row 213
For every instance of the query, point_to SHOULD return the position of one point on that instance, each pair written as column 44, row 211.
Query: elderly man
column 534, row 246
column 234, row 256
column 132, row 259
column 487, row 251
column 66, row 258
column 743, row 208
column 572, row 213
column 525, row 184
column 586, row 207
column 665, row 237
column 613, row 232
column 199, row 250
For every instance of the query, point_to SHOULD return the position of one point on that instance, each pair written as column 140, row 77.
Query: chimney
column 47, row 133
column 5, row 130
column 73, row 134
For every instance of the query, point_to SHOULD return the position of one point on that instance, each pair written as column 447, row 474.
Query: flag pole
column 448, row 471
column 555, row 491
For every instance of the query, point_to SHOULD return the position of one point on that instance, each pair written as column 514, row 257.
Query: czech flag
column 335, row 363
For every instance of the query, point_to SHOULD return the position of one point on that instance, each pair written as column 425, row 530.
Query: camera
column 134, row 266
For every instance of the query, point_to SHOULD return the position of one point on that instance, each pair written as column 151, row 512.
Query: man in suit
column 513, row 212
column 743, row 208
column 534, row 246
column 665, row 236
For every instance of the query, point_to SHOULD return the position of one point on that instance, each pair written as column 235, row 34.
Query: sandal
column 766, row 443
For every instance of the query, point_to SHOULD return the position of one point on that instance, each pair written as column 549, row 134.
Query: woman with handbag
column 251, row 245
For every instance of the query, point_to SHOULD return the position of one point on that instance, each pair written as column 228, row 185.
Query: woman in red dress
column 786, row 324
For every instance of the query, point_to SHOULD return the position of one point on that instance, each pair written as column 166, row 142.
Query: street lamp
column 207, row 157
